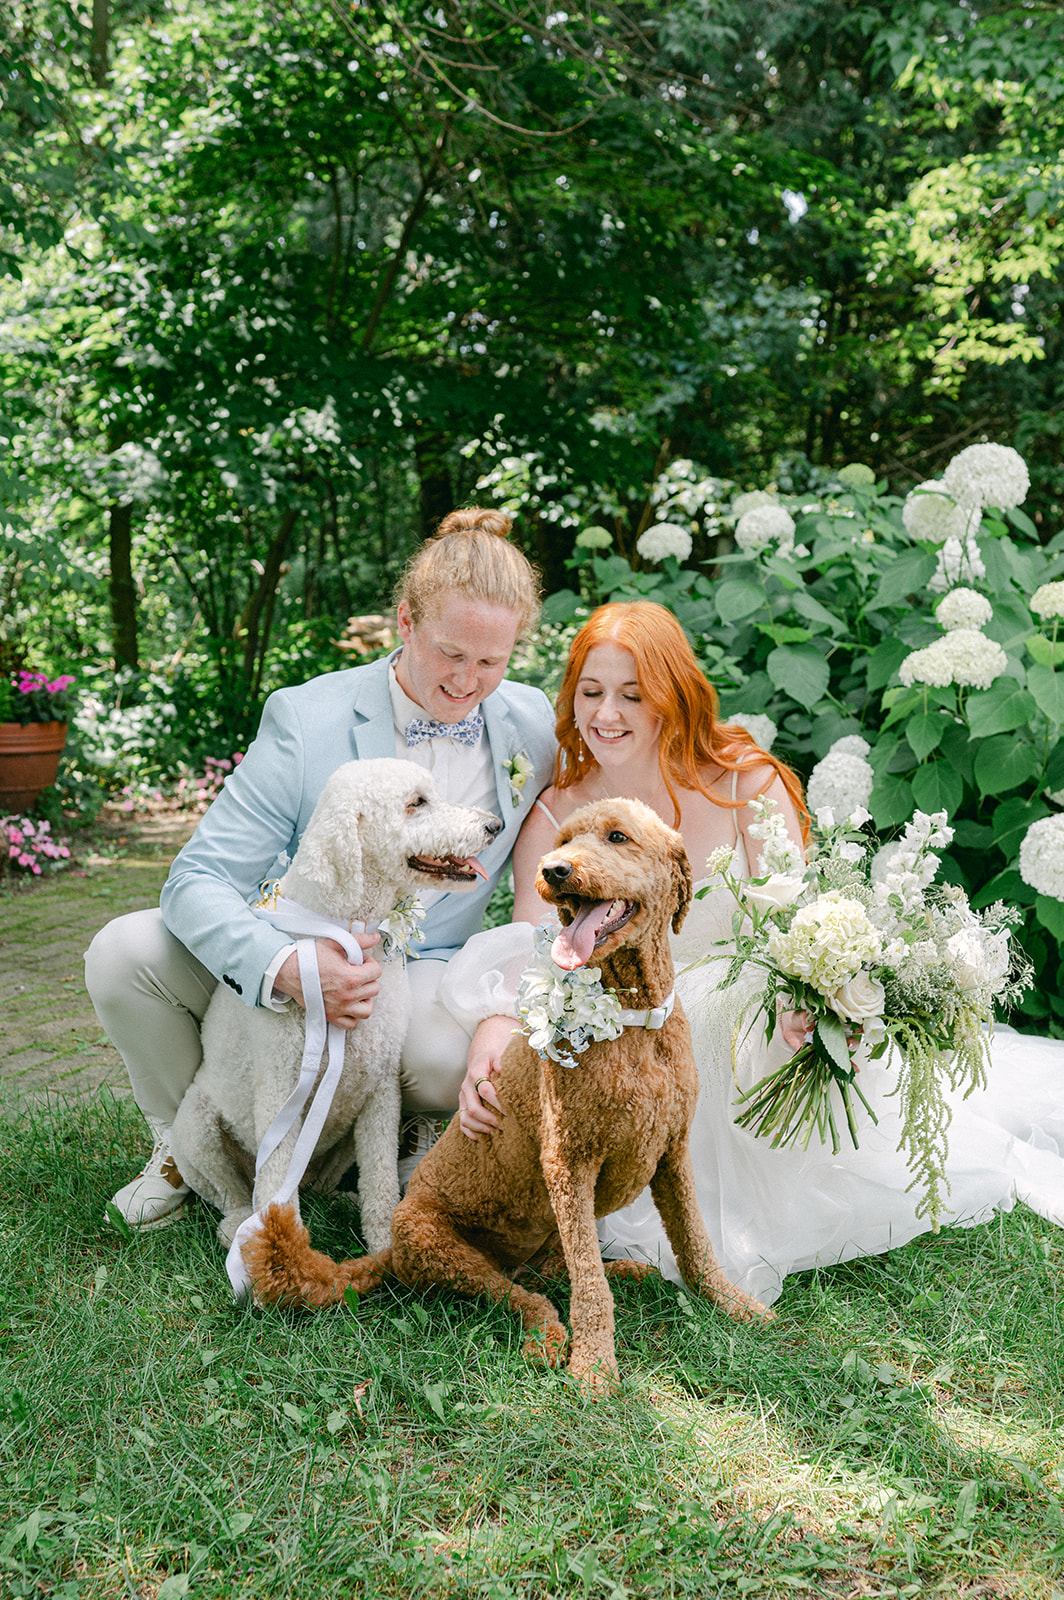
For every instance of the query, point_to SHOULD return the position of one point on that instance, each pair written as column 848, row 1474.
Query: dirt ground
column 50, row 1040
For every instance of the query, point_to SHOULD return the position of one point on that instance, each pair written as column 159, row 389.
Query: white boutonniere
column 519, row 769
column 402, row 928
column 563, row 1012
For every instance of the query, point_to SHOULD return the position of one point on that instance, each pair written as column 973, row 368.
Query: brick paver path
column 49, row 1036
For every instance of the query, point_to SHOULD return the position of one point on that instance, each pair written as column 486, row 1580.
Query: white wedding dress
column 772, row 1212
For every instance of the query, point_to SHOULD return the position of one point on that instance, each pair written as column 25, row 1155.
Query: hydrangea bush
column 926, row 623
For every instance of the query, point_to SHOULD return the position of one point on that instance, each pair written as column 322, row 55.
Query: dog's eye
column 419, row 800
column 616, row 837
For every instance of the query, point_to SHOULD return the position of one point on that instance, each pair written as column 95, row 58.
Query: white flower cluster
column 965, row 657
column 842, row 782
column 1048, row 601
column 959, row 561
column 901, row 872
column 761, row 729
column 779, row 853
column 963, row 608
column 402, row 928
column 932, row 514
column 683, row 487
column 763, row 526
column 593, row 537
column 855, row 475
column 1042, row 856
column 827, row 943
column 751, row 501
column 563, row 1012
column 664, row 539
column 988, row 475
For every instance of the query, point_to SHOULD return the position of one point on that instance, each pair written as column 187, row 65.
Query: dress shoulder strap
column 552, row 820
column 735, row 809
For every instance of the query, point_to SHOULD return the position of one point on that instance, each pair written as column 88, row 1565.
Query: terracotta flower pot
column 29, row 761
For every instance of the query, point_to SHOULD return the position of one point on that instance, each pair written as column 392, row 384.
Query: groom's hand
column 348, row 991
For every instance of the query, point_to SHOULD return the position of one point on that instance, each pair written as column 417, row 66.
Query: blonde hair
column 470, row 556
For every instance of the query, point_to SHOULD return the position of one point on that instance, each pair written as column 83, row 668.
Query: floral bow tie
column 466, row 732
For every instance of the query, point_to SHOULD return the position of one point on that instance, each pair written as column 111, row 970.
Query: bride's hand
column 479, row 1110
column 796, row 1028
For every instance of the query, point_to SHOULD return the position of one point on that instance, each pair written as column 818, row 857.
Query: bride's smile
column 615, row 722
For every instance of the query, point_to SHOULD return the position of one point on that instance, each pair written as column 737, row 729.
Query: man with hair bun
column 441, row 700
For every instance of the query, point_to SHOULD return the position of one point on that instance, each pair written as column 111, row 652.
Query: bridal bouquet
column 878, row 956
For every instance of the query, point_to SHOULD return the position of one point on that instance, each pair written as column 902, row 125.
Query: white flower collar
column 563, row 1012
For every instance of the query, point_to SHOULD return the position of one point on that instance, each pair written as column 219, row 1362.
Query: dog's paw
column 626, row 1268
column 741, row 1306
column 367, row 1273
column 594, row 1370
column 547, row 1343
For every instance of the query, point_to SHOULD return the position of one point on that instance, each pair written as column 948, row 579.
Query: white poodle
column 378, row 833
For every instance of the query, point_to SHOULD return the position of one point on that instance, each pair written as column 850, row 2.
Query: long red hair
column 692, row 735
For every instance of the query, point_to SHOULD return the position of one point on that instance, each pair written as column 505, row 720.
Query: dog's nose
column 556, row 871
column 493, row 826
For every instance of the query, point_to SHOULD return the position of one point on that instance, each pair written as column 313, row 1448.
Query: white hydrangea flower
column 855, row 475
column 988, row 475
column 761, row 729
column 751, row 501
column 765, row 525
column 851, row 744
column 827, row 943
column 1042, row 856
column 930, row 513
column 963, row 608
column 964, row 656
column 1048, row 601
column 957, row 563
column 839, row 783
column 664, row 539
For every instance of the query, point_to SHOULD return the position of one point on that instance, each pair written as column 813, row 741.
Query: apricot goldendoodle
column 575, row 1143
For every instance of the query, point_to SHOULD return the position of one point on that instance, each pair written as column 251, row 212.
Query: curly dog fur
column 575, row 1144
column 379, row 831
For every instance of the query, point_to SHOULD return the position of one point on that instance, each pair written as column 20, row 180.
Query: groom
column 441, row 701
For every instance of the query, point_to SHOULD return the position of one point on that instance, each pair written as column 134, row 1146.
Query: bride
column 636, row 718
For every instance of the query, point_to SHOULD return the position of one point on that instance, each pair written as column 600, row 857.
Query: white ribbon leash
column 291, row 917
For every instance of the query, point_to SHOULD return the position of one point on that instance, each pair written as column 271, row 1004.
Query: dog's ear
column 330, row 855
column 683, row 884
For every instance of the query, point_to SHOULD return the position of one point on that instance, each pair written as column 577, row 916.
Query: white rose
column 862, row 997
column 775, row 894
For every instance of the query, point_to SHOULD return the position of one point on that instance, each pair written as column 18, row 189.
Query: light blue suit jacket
column 305, row 734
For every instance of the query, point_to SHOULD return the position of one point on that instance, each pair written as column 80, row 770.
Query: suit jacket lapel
column 505, row 741
column 374, row 731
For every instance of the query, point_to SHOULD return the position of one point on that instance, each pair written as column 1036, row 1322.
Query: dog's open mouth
column 456, row 869
column 593, row 923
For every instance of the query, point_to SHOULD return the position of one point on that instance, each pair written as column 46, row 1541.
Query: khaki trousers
column 150, row 994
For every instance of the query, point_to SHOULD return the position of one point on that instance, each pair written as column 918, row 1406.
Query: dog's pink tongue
column 575, row 944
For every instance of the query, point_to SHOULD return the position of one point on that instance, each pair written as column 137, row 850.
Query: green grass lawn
column 897, row 1432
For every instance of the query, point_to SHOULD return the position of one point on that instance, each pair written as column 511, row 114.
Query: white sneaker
column 158, row 1193
column 426, row 1130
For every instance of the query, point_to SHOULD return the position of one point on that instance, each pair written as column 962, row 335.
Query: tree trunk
column 123, row 589
column 436, row 493
column 101, row 39
column 253, row 628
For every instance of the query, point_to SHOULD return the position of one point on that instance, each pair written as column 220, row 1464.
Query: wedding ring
column 477, row 1083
